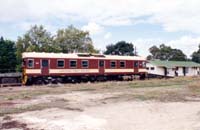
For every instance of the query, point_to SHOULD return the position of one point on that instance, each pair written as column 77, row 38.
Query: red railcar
column 59, row 67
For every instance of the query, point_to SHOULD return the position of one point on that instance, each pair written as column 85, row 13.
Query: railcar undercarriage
column 40, row 80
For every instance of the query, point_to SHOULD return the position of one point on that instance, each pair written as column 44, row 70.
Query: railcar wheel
column 142, row 76
column 92, row 79
column 39, row 82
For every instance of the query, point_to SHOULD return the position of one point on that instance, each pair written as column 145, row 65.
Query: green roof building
column 173, row 68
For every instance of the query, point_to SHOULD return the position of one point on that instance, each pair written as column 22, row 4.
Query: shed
column 173, row 68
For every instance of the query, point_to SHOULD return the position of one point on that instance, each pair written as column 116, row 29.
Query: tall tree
column 36, row 39
column 120, row 48
column 72, row 39
column 196, row 55
column 164, row 52
column 7, row 55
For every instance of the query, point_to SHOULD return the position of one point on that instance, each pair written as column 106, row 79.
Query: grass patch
column 6, row 111
column 176, row 82
column 168, row 96
column 13, row 110
column 29, row 93
column 194, row 86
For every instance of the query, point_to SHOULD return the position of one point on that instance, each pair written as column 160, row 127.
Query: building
column 173, row 68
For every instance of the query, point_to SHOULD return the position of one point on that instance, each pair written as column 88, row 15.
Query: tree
column 72, row 39
column 164, row 52
column 7, row 56
column 37, row 39
column 120, row 48
column 196, row 55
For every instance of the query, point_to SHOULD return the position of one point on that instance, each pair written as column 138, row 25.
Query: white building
column 173, row 68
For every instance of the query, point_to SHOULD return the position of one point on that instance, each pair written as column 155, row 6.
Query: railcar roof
column 78, row 56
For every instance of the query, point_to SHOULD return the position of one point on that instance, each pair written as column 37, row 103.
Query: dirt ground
column 167, row 104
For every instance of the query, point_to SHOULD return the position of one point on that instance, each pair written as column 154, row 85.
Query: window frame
column 28, row 63
column 70, row 64
column 124, row 64
column 63, row 63
column 134, row 64
column 84, row 66
column 111, row 64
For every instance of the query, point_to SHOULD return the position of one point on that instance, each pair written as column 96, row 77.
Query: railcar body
column 59, row 67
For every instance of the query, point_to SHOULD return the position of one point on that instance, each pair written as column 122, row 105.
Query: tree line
column 71, row 39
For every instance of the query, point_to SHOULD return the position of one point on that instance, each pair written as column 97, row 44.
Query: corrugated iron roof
column 173, row 64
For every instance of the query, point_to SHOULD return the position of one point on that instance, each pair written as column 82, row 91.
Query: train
column 45, row 68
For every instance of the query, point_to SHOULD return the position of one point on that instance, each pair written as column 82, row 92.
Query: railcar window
column 30, row 63
column 72, row 63
column 113, row 64
column 143, row 64
column 101, row 63
column 60, row 63
column 136, row 64
column 122, row 64
column 45, row 63
column 84, row 63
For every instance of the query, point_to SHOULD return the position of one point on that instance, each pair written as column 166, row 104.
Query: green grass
column 177, row 82
column 29, row 94
column 13, row 110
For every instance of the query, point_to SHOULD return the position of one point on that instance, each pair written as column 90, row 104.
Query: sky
column 142, row 22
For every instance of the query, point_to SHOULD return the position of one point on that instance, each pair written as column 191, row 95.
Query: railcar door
column 136, row 66
column 45, row 67
column 101, row 67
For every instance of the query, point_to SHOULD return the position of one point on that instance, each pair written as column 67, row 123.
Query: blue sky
column 142, row 22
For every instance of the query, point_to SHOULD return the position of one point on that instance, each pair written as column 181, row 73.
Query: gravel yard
column 172, row 104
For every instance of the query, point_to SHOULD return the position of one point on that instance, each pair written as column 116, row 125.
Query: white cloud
column 178, row 15
column 187, row 44
column 172, row 15
column 93, row 28
column 107, row 35
column 143, row 45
